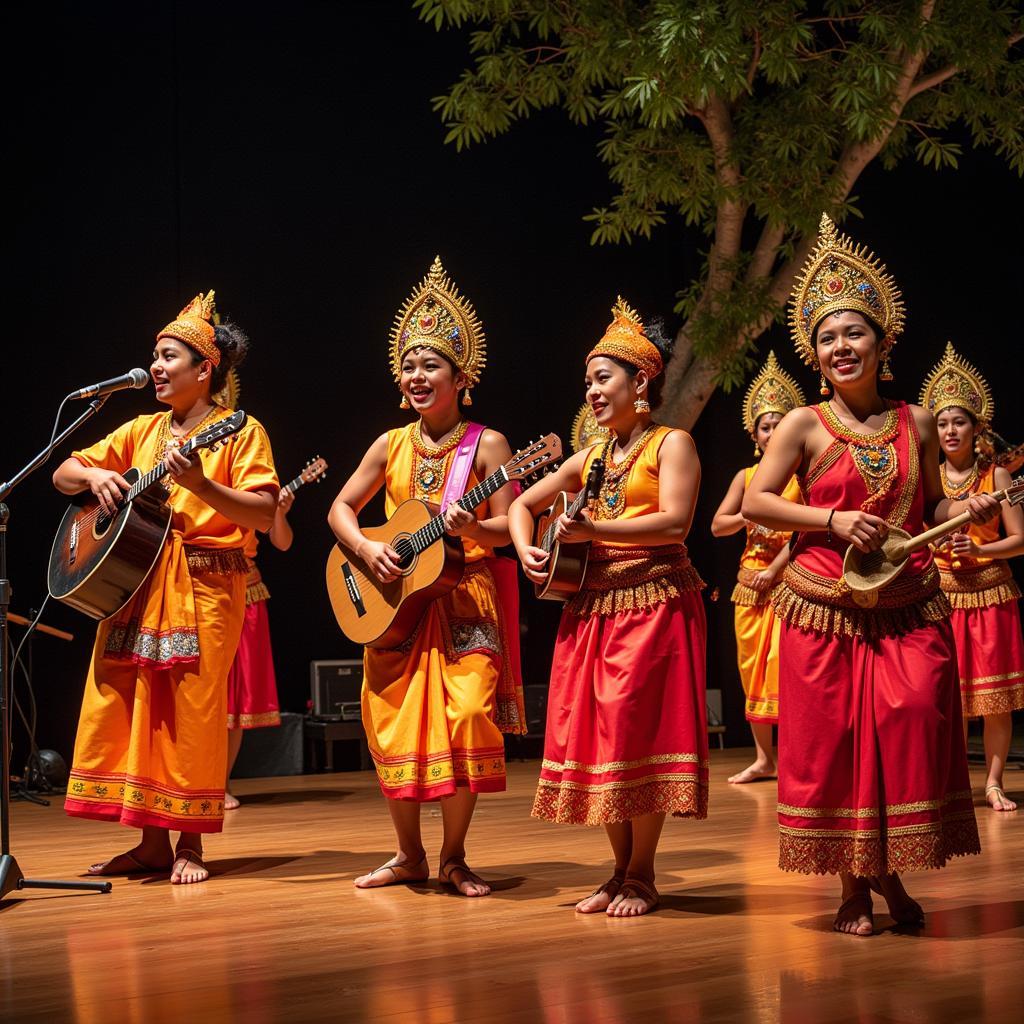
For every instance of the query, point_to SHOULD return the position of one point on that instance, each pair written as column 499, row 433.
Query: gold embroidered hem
column 994, row 702
column 866, row 852
column 573, row 803
column 225, row 562
column 824, row 605
column 257, row 721
column 156, row 648
column 633, row 578
column 980, row 588
column 415, row 776
column 762, row 708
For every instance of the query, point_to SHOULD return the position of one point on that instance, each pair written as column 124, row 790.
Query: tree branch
column 927, row 82
column 763, row 257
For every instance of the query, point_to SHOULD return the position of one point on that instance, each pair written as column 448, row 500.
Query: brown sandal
column 401, row 873
column 452, row 864
column 188, row 855
column 612, row 887
column 635, row 887
column 137, row 868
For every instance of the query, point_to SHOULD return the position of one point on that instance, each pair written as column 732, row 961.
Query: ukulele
column 383, row 615
column 568, row 562
column 99, row 561
column 867, row 572
column 316, row 470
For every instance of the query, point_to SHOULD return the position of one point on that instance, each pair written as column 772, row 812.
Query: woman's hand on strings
column 457, row 521
column 534, row 562
column 574, row 531
column 184, row 470
column 861, row 529
column 109, row 487
column 381, row 559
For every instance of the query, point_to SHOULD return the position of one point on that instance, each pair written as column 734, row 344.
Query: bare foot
column 456, row 872
column 902, row 909
column 231, row 802
column 997, row 799
column 854, row 915
column 754, row 773
column 395, row 872
column 635, row 898
column 134, row 862
column 188, row 867
column 598, row 900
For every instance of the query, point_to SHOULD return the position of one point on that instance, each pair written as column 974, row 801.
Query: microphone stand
column 11, row 877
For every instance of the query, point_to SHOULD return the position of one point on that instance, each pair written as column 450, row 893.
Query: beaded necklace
column 963, row 488
column 428, row 469
column 873, row 454
column 612, row 497
column 165, row 439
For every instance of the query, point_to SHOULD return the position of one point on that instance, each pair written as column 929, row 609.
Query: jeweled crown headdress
column 194, row 326
column 436, row 316
column 625, row 338
column 772, row 390
column 955, row 382
column 586, row 430
column 840, row 275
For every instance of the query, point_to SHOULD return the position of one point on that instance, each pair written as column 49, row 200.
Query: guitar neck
column 434, row 530
column 293, row 485
column 572, row 512
column 918, row 542
column 158, row 472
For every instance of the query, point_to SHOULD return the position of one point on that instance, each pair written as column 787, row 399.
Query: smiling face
column 848, row 349
column 612, row 393
column 764, row 428
column 429, row 381
column 179, row 380
column 956, row 431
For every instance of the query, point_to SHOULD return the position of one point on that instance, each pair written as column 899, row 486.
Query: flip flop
column 444, row 875
column 635, row 887
column 187, row 856
column 137, row 868
column 401, row 874
column 616, row 880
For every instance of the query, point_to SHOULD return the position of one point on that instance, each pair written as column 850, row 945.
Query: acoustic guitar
column 867, row 572
column 568, row 562
column 97, row 561
column 316, row 470
column 383, row 615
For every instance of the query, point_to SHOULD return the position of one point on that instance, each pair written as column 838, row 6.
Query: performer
column 771, row 394
column 873, row 774
column 252, row 686
column 151, row 745
column 626, row 739
column 973, row 570
column 435, row 707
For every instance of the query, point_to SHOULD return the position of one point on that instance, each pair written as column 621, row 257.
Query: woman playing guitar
column 151, row 744
column 626, row 739
column 434, row 708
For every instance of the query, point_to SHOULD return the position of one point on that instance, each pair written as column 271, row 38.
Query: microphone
column 132, row 379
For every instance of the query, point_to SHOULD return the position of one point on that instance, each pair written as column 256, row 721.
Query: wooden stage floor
column 280, row 934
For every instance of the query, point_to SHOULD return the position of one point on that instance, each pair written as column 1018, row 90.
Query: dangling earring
column 404, row 403
column 641, row 405
column 467, row 398
column 823, row 390
column 757, row 450
column 886, row 374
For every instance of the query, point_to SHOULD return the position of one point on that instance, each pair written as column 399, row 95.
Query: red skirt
column 252, row 686
column 872, row 763
column 990, row 656
column 627, row 722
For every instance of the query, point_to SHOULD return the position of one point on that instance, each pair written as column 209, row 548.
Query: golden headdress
column 954, row 382
column 772, row 390
column 194, row 326
column 436, row 316
column 841, row 275
column 586, row 430
column 625, row 339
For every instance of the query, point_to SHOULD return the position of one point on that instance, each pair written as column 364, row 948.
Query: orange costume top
column 975, row 581
column 158, row 626
column 762, row 548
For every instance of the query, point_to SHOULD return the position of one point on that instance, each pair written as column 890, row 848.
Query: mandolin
column 867, row 572
column 568, row 562
column 383, row 615
column 97, row 561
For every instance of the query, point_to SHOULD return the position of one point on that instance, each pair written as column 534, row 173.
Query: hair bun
column 655, row 332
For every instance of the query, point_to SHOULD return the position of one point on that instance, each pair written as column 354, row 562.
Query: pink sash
column 510, row 712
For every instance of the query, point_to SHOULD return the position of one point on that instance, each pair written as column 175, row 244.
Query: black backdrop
column 286, row 155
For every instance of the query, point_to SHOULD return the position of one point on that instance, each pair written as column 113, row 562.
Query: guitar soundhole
column 102, row 525
column 406, row 553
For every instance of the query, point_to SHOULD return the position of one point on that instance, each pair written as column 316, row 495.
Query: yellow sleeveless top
column 982, row 581
column 623, row 576
column 415, row 470
column 762, row 546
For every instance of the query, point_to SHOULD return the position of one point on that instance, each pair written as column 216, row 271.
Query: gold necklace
column 429, row 465
column 612, row 497
column 165, row 439
column 962, row 489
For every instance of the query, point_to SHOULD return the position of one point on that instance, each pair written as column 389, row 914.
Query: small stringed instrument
column 867, row 572
column 383, row 615
column 315, row 471
column 97, row 561
column 568, row 562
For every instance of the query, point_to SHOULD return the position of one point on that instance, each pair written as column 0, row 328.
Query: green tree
column 744, row 118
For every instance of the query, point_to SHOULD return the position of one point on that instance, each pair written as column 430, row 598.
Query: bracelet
column 828, row 525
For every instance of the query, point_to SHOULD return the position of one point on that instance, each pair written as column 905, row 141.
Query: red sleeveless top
column 879, row 473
